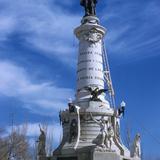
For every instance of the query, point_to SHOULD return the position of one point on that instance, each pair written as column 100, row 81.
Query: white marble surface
column 90, row 61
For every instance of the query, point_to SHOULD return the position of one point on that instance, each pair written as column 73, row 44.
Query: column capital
column 90, row 30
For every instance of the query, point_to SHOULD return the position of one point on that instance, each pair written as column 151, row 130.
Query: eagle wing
column 88, row 89
column 102, row 91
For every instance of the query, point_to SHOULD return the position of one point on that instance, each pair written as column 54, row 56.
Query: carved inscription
column 99, row 78
column 90, row 77
column 90, row 69
column 89, row 61
column 90, row 52
column 82, row 69
column 84, row 61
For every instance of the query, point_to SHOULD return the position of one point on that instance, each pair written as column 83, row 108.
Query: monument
column 91, row 122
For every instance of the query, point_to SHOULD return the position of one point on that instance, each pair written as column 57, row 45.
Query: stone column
column 90, row 60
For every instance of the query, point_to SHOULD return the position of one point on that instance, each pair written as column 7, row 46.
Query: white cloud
column 132, row 35
column 113, row 37
column 152, row 9
column 7, row 26
column 43, row 98
column 32, row 131
column 48, row 27
column 43, row 24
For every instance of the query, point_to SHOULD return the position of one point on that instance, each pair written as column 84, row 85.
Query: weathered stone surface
column 105, row 156
column 90, row 58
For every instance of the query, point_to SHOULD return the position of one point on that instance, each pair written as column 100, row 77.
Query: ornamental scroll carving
column 92, row 36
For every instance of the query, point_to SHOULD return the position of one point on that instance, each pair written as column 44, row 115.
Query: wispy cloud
column 133, row 28
column 42, row 98
column 7, row 26
column 44, row 26
column 48, row 26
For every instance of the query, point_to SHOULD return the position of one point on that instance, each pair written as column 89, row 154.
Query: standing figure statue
column 104, row 138
column 90, row 7
column 110, row 136
column 42, row 143
column 117, row 133
column 136, row 149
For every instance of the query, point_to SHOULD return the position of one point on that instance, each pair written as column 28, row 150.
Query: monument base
column 95, row 156
column 105, row 156
column 91, row 155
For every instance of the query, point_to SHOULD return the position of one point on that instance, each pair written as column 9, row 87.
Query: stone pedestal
column 89, row 154
column 105, row 156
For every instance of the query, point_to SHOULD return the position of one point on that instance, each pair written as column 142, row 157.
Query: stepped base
column 105, row 156
column 91, row 154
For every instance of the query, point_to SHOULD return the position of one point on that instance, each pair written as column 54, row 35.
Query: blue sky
column 38, row 54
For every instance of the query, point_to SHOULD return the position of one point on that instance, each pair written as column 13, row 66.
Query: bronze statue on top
column 90, row 7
